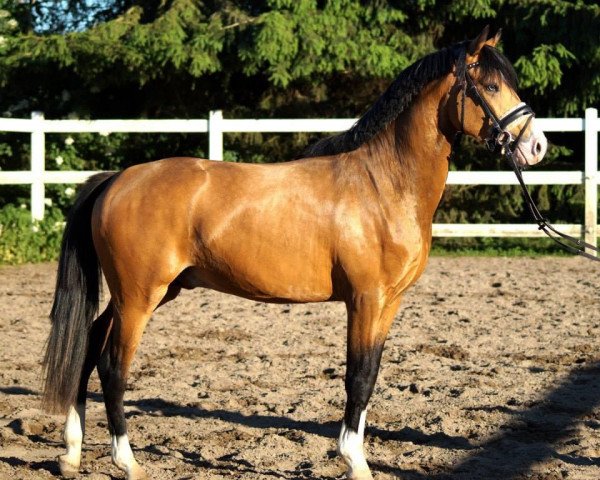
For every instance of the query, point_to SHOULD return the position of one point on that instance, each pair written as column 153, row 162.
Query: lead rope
column 571, row 244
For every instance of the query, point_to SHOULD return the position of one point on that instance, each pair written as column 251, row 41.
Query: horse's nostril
column 538, row 148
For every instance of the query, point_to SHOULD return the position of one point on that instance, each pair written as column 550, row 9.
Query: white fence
column 216, row 126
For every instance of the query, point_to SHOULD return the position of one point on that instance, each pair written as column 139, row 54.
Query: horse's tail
column 76, row 301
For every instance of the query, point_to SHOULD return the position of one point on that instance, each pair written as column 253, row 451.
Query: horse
column 350, row 221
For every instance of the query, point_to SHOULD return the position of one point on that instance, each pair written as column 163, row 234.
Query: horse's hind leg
column 130, row 319
column 369, row 320
column 75, row 423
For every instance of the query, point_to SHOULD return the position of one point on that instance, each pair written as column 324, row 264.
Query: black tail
column 75, row 301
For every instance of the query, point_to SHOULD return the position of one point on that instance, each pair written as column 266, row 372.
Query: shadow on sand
column 527, row 439
column 164, row 408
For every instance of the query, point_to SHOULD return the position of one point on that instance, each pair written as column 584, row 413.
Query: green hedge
column 22, row 241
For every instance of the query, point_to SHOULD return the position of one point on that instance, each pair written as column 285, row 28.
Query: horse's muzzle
column 532, row 150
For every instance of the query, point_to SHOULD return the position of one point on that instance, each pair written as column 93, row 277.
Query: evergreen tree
column 280, row 58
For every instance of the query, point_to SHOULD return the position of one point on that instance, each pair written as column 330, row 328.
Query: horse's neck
column 409, row 159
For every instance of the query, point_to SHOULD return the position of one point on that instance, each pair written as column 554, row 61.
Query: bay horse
column 349, row 222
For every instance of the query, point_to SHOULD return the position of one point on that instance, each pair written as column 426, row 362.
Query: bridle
column 501, row 141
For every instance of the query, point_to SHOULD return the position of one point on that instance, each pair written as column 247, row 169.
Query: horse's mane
column 404, row 89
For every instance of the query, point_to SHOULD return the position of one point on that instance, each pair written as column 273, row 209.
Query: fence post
column 591, row 176
column 215, row 135
column 37, row 166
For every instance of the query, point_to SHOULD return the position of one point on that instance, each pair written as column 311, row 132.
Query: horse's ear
column 477, row 43
column 495, row 40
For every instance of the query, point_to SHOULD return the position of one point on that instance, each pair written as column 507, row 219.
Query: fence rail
column 216, row 126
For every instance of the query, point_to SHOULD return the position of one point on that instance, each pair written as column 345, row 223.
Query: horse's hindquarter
column 140, row 226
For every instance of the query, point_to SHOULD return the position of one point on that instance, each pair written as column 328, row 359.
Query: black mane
column 404, row 89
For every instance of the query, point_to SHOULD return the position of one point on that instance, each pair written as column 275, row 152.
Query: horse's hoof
column 67, row 469
column 360, row 475
column 136, row 473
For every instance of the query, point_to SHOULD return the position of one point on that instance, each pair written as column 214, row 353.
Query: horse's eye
column 491, row 87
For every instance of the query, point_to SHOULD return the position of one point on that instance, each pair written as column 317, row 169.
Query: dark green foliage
column 183, row 57
column 278, row 58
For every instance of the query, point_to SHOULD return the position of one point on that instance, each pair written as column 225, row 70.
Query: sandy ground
column 491, row 371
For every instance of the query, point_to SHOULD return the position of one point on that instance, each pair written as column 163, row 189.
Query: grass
column 495, row 247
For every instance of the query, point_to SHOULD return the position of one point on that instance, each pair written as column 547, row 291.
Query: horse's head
column 488, row 106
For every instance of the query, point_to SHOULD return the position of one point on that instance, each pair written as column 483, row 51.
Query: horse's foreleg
column 369, row 319
column 75, row 423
